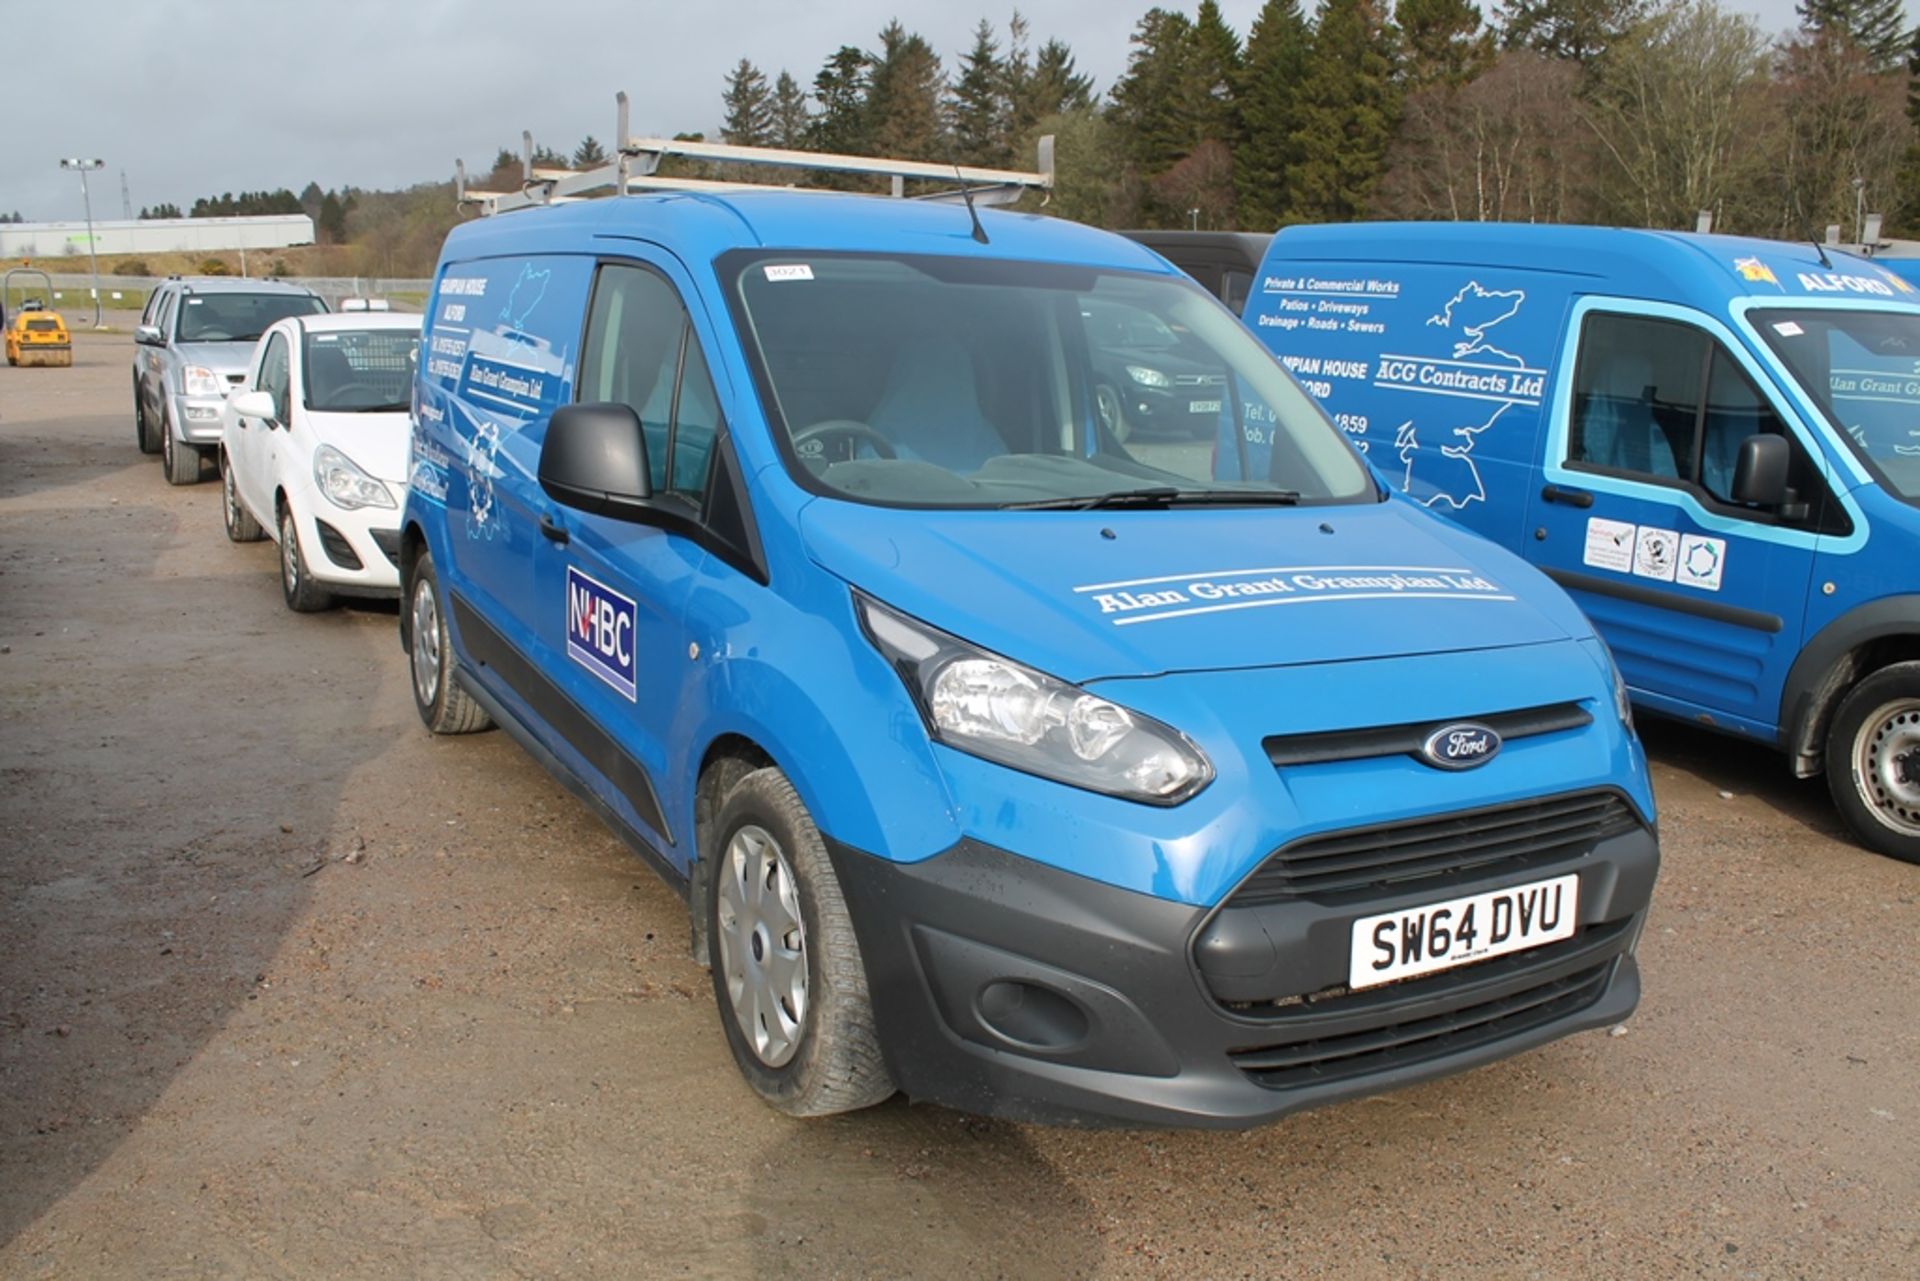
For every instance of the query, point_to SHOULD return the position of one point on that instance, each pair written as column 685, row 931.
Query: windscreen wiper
column 1163, row 496
column 380, row 409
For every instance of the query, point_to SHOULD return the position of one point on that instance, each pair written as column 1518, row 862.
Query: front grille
column 388, row 541
column 236, row 379
column 1395, row 740
column 1504, row 838
column 1330, row 1060
column 1200, row 380
column 338, row 549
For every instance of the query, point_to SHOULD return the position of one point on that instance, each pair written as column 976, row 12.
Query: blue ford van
column 1712, row 442
column 1001, row 761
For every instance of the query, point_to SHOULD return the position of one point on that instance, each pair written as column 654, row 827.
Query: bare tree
column 1831, row 120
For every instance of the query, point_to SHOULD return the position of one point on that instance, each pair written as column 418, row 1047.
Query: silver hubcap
column 763, row 946
column 426, row 644
column 166, row 447
column 232, row 500
column 289, row 555
column 1886, row 764
column 1107, row 401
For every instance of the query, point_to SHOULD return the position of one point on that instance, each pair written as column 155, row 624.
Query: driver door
column 259, row 470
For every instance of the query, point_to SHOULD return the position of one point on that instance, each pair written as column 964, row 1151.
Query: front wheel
column 787, row 971
column 1873, row 761
column 241, row 526
column 303, row 595
column 143, row 432
column 182, row 461
column 437, row 696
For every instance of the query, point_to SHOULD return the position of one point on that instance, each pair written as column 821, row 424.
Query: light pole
column 92, row 254
column 1859, row 209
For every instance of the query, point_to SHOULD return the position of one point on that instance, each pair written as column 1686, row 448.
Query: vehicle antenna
column 1821, row 250
column 966, row 194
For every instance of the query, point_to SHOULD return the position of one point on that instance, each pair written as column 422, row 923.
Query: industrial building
column 154, row 235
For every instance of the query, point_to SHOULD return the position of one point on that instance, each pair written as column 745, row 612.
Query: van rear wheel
column 1873, row 761
column 787, row 971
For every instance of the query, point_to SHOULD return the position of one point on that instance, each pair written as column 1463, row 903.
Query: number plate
column 1439, row 936
column 1203, row 407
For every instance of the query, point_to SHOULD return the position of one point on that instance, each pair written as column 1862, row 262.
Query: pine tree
column 1874, row 25
column 1211, row 67
column 1349, row 111
column 1576, row 29
column 788, row 113
column 906, row 92
column 749, row 107
column 331, row 225
column 589, row 154
column 1445, row 41
column 979, row 107
column 1147, row 101
column 841, row 90
column 1276, row 60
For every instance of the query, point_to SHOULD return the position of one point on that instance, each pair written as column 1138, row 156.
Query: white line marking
column 1277, row 569
column 1307, row 600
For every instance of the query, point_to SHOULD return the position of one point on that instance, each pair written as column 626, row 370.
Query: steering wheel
column 368, row 391
column 851, row 429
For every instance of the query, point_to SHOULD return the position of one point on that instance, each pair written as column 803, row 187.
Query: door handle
column 1571, row 497
column 553, row 531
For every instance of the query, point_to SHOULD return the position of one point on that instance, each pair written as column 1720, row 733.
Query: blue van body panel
column 1448, row 351
column 627, row 653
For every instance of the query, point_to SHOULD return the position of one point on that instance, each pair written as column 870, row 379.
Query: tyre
column 303, row 595
column 181, row 460
column 787, row 971
column 443, row 705
column 1873, row 761
column 241, row 526
column 143, row 432
column 1113, row 416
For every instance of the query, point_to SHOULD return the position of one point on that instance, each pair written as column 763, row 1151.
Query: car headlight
column 995, row 708
column 198, row 380
column 1603, row 655
column 1147, row 377
column 344, row 484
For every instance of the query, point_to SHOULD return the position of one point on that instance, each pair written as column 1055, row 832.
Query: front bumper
column 198, row 420
column 1006, row 987
column 356, row 552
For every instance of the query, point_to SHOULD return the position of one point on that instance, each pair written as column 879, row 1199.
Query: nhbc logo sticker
column 600, row 630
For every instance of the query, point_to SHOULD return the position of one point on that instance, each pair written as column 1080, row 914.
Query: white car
column 313, row 452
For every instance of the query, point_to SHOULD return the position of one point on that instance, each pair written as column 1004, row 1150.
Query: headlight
column 344, row 484
column 1148, row 377
column 1622, row 704
column 201, row 381
column 994, row 708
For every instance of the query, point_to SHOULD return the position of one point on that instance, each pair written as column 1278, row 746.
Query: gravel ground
column 289, row 988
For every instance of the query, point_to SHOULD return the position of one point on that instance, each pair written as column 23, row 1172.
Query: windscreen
column 238, row 317
column 1862, row 368
column 360, row 371
column 946, row 382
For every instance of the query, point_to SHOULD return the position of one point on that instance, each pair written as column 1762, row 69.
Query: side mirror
column 1760, row 471
column 595, row 459
column 255, row 404
column 147, row 335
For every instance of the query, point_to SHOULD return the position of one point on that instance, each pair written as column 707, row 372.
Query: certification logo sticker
column 1702, row 561
column 600, row 630
column 1610, row 544
column 1654, row 552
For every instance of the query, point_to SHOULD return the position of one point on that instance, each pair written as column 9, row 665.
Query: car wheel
column 787, row 971
column 303, row 595
column 241, row 526
column 182, row 461
column 143, row 432
column 1106, row 402
column 443, row 705
column 1873, row 761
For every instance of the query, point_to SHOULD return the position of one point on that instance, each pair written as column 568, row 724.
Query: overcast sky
column 196, row 97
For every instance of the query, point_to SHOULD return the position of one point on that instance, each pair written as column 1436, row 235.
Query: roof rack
column 636, row 165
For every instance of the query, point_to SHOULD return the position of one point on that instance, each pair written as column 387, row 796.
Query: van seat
column 931, row 409
column 1619, row 429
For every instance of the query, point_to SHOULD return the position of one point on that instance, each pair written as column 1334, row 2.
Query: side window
column 1636, row 396
column 1236, row 287
column 1664, row 400
column 636, row 330
column 163, row 319
column 275, row 378
column 152, row 308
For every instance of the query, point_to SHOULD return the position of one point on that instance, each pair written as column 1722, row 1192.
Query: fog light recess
column 1033, row 1017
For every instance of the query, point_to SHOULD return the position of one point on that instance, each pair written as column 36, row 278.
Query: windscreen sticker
column 1788, row 329
column 1609, row 544
column 1653, row 553
column 600, row 630
column 1150, row 600
column 1701, row 560
column 789, row 271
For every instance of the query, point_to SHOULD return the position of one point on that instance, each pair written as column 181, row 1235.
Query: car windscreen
column 962, row 382
column 359, row 371
column 1862, row 368
column 237, row 317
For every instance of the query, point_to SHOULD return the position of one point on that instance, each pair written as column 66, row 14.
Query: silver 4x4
column 192, row 348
